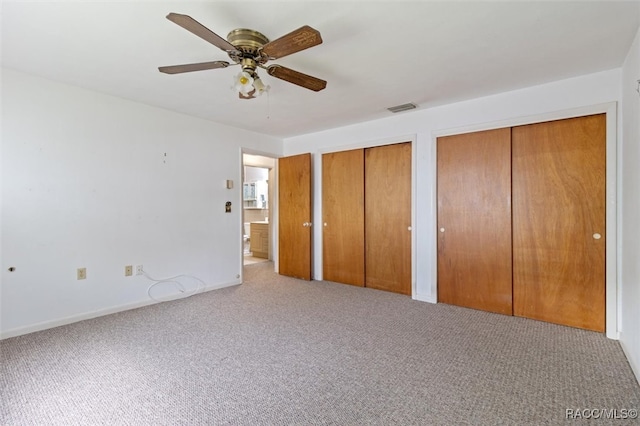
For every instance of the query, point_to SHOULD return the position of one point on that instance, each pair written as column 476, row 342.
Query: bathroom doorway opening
column 257, row 201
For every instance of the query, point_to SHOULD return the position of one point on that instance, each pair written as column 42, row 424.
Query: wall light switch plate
column 82, row 273
column 128, row 270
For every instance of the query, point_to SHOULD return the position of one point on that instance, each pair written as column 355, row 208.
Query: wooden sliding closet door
column 474, row 220
column 343, row 217
column 559, row 221
column 388, row 218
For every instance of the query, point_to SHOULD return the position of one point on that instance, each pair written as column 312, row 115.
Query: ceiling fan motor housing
column 248, row 42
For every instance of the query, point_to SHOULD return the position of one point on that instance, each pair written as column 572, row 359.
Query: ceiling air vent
column 403, row 107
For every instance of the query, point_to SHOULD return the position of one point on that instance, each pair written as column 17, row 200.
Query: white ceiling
column 376, row 54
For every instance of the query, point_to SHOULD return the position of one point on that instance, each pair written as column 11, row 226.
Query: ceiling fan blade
column 300, row 39
column 190, row 24
column 177, row 69
column 296, row 77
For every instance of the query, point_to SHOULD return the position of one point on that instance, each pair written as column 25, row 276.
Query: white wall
column 86, row 183
column 423, row 126
column 630, row 182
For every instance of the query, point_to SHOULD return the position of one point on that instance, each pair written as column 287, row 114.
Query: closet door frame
column 611, row 213
column 317, row 200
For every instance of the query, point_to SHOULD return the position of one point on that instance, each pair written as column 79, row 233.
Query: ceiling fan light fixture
column 259, row 85
column 243, row 82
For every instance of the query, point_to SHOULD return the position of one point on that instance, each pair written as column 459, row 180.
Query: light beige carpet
column 280, row 351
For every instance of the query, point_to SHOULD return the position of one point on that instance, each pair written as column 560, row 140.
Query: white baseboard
column 634, row 366
column 94, row 314
column 425, row 298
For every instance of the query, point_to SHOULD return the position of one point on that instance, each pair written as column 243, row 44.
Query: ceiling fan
column 251, row 50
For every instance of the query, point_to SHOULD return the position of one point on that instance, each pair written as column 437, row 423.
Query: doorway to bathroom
column 257, row 199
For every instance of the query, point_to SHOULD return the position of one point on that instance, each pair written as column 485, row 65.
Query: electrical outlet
column 82, row 273
column 139, row 270
column 128, row 270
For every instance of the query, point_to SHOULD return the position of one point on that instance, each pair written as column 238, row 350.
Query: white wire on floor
column 175, row 279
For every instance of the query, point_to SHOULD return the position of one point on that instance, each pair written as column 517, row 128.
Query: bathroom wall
column 258, row 174
column 255, row 215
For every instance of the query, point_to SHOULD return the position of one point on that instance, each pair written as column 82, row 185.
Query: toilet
column 247, row 231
